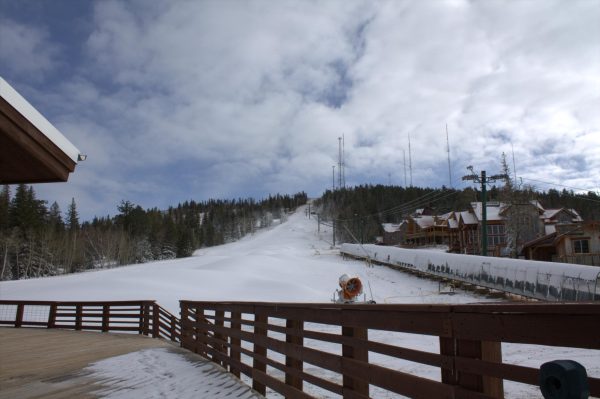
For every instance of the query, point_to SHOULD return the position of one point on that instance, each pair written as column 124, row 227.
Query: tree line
column 38, row 240
column 359, row 211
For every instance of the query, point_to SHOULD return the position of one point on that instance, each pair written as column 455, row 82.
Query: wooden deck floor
column 47, row 363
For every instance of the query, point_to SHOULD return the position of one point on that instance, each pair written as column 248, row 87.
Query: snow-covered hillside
column 288, row 263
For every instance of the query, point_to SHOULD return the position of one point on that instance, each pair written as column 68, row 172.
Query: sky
column 179, row 100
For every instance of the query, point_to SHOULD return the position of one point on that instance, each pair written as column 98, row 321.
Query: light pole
column 332, row 178
column 483, row 179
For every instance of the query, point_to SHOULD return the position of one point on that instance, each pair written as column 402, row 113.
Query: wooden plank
column 470, row 349
column 260, row 367
column 356, row 383
column 396, row 381
column 105, row 317
column 155, row 320
column 78, row 316
column 52, row 316
column 19, row 315
column 221, row 336
column 491, row 351
column 539, row 329
column 449, row 372
column 278, row 386
column 291, row 362
column 234, row 351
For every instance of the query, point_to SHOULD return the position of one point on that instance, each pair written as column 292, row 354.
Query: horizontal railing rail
column 143, row 317
column 337, row 348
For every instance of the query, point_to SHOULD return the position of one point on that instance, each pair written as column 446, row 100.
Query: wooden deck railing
column 285, row 347
column 143, row 317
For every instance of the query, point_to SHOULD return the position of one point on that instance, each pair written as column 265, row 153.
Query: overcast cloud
column 176, row 100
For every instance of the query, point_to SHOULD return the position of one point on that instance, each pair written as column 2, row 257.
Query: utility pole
column 410, row 159
column 340, row 162
column 404, row 156
column 332, row 178
column 448, row 149
column 483, row 180
column 343, row 161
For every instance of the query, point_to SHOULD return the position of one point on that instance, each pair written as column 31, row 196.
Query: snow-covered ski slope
column 286, row 263
column 289, row 262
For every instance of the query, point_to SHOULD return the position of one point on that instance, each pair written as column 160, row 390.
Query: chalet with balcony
column 570, row 243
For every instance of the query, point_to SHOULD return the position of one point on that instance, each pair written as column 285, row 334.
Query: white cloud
column 25, row 49
column 235, row 96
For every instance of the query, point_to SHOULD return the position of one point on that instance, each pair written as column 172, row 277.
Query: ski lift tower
column 483, row 180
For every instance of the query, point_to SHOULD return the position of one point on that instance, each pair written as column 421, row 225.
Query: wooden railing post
column 354, row 385
column 199, row 313
column 184, row 312
column 297, row 327
column 145, row 318
column 260, row 330
column 235, row 342
column 52, row 316
column 155, row 320
column 19, row 315
column 219, row 315
column 482, row 350
column 448, row 369
column 492, row 352
column 173, row 328
column 78, row 316
column 105, row 317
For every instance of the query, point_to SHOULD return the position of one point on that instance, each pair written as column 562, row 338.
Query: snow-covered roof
column 468, row 218
column 391, row 227
column 493, row 210
column 17, row 101
column 452, row 223
column 551, row 214
column 424, row 221
column 537, row 204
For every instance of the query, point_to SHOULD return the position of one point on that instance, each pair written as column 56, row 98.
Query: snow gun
column 350, row 289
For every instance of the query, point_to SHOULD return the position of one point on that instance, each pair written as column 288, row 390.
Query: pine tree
column 73, row 217
column 54, row 218
column 4, row 207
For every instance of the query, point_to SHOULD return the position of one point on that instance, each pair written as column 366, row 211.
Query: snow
column 390, row 227
column 289, row 262
column 152, row 372
column 542, row 280
column 32, row 115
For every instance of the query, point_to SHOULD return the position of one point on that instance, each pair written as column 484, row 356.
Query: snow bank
column 542, row 280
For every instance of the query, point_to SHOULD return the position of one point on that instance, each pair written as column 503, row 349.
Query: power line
column 407, row 206
column 556, row 184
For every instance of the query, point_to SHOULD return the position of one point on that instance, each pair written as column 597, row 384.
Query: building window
column 581, row 246
column 496, row 235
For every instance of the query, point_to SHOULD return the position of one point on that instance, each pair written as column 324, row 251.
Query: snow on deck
column 163, row 373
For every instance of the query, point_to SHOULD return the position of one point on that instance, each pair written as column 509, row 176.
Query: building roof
column 424, row 221
column 494, row 210
column 32, row 150
column 391, row 227
column 550, row 214
column 467, row 217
